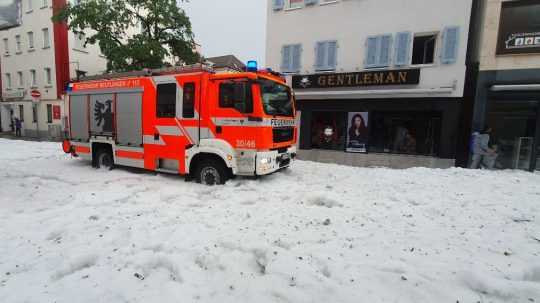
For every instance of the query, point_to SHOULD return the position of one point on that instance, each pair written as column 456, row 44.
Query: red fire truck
column 186, row 120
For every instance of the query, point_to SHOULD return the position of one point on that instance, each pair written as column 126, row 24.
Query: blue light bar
column 252, row 66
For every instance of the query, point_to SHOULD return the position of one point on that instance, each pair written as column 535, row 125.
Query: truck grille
column 283, row 134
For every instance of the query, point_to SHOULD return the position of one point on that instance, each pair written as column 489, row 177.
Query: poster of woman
column 357, row 136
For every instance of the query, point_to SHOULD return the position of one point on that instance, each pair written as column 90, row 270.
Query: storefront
column 509, row 103
column 508, row 87
column 376, row 118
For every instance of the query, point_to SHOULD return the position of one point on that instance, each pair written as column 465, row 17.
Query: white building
column 39, row 55
column 399, row 64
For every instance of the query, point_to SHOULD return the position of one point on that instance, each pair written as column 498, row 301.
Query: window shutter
column 450, row 45
column 371, row 51
column 278, row 5
column 320, row 55
column 332, row 54
column 286, row 58
column 384, row 50
column 310, row 2
column 403, row 48
column 296, row 58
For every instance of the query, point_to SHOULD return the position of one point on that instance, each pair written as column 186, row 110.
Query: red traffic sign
column 35, row 94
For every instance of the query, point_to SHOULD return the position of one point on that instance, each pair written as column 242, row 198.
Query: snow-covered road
column 315, row 233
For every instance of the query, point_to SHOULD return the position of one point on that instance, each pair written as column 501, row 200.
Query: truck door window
column 166, row 100
column 188, row 102
column 236, row 95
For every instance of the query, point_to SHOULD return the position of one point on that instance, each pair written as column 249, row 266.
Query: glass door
column 514, row 130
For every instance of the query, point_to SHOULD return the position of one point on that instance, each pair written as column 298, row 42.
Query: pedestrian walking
column 18, row 126
column 482, row 154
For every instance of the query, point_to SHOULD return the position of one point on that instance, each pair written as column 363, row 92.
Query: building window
column 34, row 113
column 21, row 112
column 48, row 78
column 424, row 49
column 49, row 113
column 80, row 41
column 44, row 3
column 236, row 95
column 415, row 133
column 325, row 55
column 31, row 40
column 188, row 101
column 46, row 38
column 18, row 48
column 295, row 3
column 6, row 46
column 21, row 79
column 378, row 51
column 8, row 81
column 291, row 58
column 33, row 80
column 166, row 100
column 30, row 5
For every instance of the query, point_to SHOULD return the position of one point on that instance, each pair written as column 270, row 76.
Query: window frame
column 21, row 112
column 31, row 41
column 248, row 101
column 20, row 75
column 436, row 49
column 49, row 113
column 18, row 44
column 33, row 78
column 6, row 46
column 48, row 76
column 46, row 37
column 158, row 104
column 8, row 80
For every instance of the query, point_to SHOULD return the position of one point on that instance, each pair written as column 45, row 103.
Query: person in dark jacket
column 18, row 126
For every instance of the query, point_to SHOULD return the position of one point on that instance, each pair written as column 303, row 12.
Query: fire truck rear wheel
column 211, row 172
column 104, row 159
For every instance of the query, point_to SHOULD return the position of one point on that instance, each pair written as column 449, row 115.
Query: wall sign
column 371, row 78
column 519, row 28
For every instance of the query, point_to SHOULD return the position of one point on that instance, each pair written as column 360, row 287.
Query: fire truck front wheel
column 211, row 172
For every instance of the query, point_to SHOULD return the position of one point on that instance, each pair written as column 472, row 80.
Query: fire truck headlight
column 266, row 160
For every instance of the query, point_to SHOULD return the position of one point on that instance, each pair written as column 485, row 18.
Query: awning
column 374, row 93
column 515, row 87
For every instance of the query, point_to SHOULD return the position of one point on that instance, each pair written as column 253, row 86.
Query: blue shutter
column 331, row 61
column 310, row 2
column 384, row 51
column 278, row 5
column 296, row 58
column 371, row 51
column 286, row 58
column 403, row 49
column 320, row 55
column 450, row 45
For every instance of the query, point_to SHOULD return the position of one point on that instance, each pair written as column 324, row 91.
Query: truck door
column 176, row 122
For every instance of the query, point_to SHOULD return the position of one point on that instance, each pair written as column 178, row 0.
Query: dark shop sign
column 371, row 78
column 519, row 29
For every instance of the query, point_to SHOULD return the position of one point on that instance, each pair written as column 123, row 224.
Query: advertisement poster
column 519, row 30
column 56, row 112
column 357, row 132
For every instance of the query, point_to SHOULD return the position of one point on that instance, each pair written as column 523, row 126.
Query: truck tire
column 211, row 172
column 104, row 159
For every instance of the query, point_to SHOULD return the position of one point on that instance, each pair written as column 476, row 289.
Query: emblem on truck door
column 103, row 115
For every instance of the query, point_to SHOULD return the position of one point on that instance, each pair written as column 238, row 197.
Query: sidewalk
column 11, row 136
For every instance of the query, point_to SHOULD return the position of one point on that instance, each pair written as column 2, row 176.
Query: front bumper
column 268, row 162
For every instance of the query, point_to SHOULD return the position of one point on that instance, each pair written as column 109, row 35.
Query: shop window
column 415, row 133
column 188, row 103
column 236, row 95
column 424, row 49
column 328, row 130
column 295, row 3
column 166, row 100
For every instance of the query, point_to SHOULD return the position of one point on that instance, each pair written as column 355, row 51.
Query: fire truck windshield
column 276, row 98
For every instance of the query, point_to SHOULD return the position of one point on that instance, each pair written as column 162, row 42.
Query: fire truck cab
column 185, row 120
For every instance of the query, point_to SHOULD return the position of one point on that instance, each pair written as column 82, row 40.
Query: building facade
column 376, row 85
column 508, row 85
column 40, row 57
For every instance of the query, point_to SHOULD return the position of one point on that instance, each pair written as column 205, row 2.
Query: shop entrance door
column 514, row 133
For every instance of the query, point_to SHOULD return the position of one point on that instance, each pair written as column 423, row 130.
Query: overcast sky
column 224, row 27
